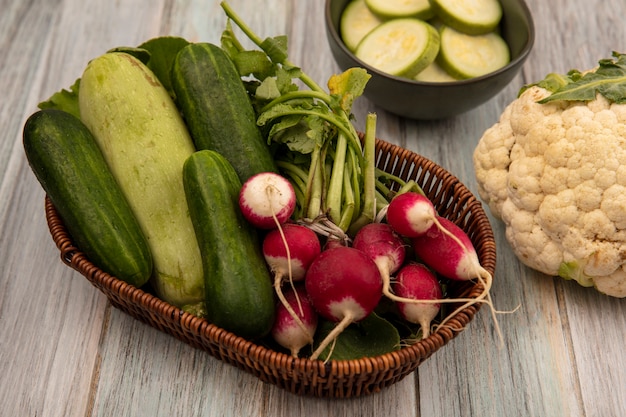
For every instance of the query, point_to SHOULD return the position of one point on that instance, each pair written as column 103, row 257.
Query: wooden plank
column 68, row 353
column 596, row 323
column 47, row 316
column 50, row 317
column 155, row 374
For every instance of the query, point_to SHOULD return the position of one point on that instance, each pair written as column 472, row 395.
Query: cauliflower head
column 555, row 174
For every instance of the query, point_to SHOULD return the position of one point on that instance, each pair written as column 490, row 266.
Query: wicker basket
column 337, row 379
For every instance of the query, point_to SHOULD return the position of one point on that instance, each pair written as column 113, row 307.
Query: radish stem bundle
column 316, row 145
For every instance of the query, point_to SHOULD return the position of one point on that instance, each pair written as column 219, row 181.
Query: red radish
column 449, row 251
column 416, row 282
column 289, row 250
column 386, row 248
column 388, row 251
column 344, row 286
column 267, row 199
column 411, row 214
column 333, row 242
column 440, row 244
column 286, row 331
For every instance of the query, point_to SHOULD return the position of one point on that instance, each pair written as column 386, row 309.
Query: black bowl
column 437, row 100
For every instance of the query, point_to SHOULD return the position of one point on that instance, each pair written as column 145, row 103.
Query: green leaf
column 285, row 77
column 609, row 80
column 348, row 86
column 370, row 337
column 253, row 63
column 229, row 42
column 163, row 51
column 141, row 54
column 276, row 48
column 300, row 133
column 291, row 132
column 553, row 81
column 268, row 90
column 66, row 100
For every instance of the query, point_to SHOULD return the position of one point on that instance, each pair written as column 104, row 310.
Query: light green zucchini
column 145, row 143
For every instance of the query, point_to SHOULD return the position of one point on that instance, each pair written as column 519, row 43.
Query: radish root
column 482, row 275
column 279, row 278
column 337, row 330
column 323, row 226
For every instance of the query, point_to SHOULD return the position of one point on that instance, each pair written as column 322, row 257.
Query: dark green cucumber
column 238, row 284
column 215, row 105
column 67, row 162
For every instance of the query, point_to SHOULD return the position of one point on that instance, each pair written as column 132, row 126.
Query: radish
column 289, row 250
column 411, row 214
column 286, row 331
column 267, row 199
column 416, row 282
column 333, row 242
column 388, row 251
column 344, row 286
column 449, row 251
column 386, row 248
column 440, row 244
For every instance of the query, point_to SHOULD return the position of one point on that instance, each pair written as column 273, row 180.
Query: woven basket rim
column 407, row 357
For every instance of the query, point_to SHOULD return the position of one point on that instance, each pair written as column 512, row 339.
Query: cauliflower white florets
column 555, row 173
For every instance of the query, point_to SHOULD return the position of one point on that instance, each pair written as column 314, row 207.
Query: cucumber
column 401, row 47
column 392, row 9
column 68, row 164
column 238, row 284
column 473, row 17
column 217, row 110
column 357, row 20
column 145, row 143
column 467, row 56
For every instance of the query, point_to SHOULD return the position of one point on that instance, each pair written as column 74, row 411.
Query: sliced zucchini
column 467, row 56
column 401, row 47
column 391, row 9
column 434, row 74
column 357, row 20
column 474, row 17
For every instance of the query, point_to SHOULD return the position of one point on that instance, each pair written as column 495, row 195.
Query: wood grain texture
column 64, row 351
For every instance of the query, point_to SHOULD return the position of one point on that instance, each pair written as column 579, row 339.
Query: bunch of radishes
column 345, row 282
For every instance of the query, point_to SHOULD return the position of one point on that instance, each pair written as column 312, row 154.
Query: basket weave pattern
column 337, row 379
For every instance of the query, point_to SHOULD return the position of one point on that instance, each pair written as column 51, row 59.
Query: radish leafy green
column 315, row 143
column 370, row 337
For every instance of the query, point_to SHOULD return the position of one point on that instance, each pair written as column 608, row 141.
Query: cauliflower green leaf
column 609, row 79
column 574, row 270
